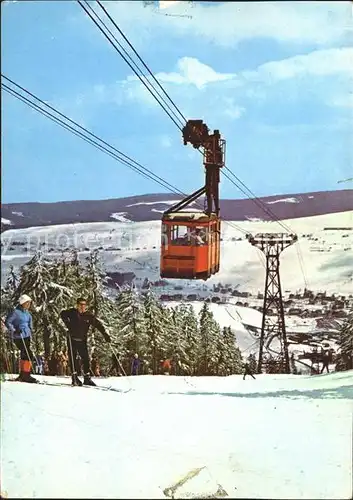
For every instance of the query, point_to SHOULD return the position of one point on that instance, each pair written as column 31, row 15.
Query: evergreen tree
column 209, row 330
column 221, row 367
column 155, row 330
column 136, row 325
column 345, row 357
column 49, row 297
column 192, row 339
column 8, row 293
column 132, row 334
column 184, row 339
column 96, row 293
column 74, row 275
column 95, row 281
column 7, row 302
column 232, row 356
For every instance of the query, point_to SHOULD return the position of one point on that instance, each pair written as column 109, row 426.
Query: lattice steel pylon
column 272, row 244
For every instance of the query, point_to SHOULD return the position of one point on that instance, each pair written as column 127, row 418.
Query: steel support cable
column 173, row 103
column 254, row 198
column 258, row 202
column 125, row 38
column 301, row 263
column 234, row 226
column 256, row 341
column 125, row 159
column 139, row 57
column 273, row 217
column 75, row 132
column 129, row 162
column 246, row 194
column 180, row 126
column 142, row 61
column 94, row 143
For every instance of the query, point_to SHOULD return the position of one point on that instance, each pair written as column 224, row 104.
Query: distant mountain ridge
column 151, row 206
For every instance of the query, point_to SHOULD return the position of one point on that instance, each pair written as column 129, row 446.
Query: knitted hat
column 23, row 299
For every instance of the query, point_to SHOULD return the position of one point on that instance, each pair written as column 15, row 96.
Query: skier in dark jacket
column 78, row 321
column 19, row 325
column 247, row 371
column 135, row 365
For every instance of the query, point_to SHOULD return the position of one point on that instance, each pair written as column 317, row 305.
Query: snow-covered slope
column 274, row 437
column 322, row 255
column 150, row 206
column 235, row 317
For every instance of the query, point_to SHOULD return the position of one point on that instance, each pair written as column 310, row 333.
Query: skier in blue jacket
column 20, row 327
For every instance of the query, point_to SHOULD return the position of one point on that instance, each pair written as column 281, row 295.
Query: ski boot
column 30, row 379
column 25, row 372
column 75, row 380
column 26, row 377
column 87, row 380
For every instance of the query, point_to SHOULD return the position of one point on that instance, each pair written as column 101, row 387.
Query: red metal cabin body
column 190, row 245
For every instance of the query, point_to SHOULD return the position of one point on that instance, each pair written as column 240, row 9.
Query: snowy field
column 128, row 246
column 277, row 437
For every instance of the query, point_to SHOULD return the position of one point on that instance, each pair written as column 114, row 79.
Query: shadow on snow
column 341, row 392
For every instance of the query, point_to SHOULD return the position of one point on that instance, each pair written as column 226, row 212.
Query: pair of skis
column 60, row 384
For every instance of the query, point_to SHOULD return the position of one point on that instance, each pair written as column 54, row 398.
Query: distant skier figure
column 135, row 365
column 166, row 367
column 39, row 364
column 20, row 326
column 78, row 321
column 248, row 371
column 325, row 362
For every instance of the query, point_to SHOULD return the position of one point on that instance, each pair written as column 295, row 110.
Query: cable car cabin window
column 165, row 234
column 188, row 236
column 200, row 236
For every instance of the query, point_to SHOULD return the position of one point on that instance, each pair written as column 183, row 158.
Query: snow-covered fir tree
column 136, row 323
column 222, row 362
column 49, row 298
column 132, row 334
column 345, row 356
column 156, row 331
column 232, row 357
column 209, row 331
column 103, row 307
column 8, row 292
column 184, row 339
column 192, row 339
column 7, row 353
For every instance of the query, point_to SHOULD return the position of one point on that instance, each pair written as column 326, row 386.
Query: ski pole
column 118, row 360
column 73, row 369
column 120, row 365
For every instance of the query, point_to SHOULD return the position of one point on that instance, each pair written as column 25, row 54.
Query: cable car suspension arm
column 213, row 151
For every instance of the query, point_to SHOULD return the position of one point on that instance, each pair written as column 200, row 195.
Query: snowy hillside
column 149, row 207
column 325, row 244
column 272, row 437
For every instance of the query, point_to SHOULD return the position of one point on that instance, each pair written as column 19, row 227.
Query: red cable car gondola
column 190, row 247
